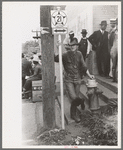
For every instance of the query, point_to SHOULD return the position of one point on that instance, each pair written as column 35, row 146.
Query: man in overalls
column 84, row 44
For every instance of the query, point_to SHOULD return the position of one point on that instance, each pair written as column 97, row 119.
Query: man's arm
column 84, row 68
column 92, row 39
column 56, row 58
column 35, row 72
column 89, row 75
column 89, row 47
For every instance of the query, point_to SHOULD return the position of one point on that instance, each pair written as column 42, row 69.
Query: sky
column 23, row 17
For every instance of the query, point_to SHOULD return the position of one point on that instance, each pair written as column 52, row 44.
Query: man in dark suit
column 99, row 41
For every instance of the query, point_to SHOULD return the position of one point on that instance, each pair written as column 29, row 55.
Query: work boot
column 80, row 101
column 73, row 111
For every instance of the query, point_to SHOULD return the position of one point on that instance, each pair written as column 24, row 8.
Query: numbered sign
column 58, row 19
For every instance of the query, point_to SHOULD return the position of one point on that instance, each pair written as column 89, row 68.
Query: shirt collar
column 114, row 29
column 102, row 30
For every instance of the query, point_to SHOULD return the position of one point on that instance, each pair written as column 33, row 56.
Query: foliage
column 102, row 132
column 112, row 107
column 53, row 137
column 30, row 46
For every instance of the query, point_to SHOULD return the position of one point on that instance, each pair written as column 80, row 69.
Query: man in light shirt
column 111, row 40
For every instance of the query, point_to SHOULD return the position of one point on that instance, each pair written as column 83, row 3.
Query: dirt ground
column 75, row 134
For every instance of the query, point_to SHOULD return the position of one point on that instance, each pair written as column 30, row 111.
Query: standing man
column 83, row 44
column 112, row 32
column 69, row 39
column 73, row 62
column 114, row 54
column 99, row 41
column 111, row 40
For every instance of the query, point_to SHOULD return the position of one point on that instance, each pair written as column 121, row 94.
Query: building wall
column 81, row 17
column 103, row 12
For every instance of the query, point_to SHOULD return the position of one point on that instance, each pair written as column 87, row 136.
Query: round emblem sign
column 59, row 19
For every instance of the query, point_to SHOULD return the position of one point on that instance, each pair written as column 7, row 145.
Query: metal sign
column 59, row 31
column 58, row 18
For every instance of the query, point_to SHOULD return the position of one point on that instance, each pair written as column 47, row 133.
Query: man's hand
column 92, row 77
column 87, row 55
column 27, row 77
column 89, row 75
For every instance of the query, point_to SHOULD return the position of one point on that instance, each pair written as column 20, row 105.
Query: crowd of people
column 31, row 71
column 73, row 59
column 106, row 46
column 74, row 70
column 103, row 43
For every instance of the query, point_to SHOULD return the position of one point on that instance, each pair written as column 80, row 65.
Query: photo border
column 121, row 61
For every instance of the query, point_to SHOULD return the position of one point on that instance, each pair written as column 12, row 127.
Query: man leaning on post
column 73, row 62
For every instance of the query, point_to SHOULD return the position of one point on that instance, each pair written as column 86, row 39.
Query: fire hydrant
column 93, row 95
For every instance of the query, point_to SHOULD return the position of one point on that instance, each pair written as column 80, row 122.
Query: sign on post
column 58, row 19
column 59, row 30
column 59, row 26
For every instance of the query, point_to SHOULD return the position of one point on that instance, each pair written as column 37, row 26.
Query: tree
column 29, row 46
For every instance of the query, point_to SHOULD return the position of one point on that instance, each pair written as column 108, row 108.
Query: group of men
column 104, row 44
column 31, row 71
column 74, row 69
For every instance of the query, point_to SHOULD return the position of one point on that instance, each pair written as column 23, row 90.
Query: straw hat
column 112, row 21
column 71, row 32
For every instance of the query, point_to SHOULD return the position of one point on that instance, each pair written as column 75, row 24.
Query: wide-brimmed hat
column 71, row 32
column 35, row 58
column 84, row 31
column 74, row 42
column 104, row 22
column 112, row 21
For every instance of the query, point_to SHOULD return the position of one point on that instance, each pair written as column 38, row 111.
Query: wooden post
column 48, row 88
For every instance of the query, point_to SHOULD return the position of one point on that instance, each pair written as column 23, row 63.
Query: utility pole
column 48, row 72
column 38, row 35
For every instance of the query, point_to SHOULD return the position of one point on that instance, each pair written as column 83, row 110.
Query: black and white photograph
column 61, row 74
